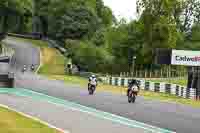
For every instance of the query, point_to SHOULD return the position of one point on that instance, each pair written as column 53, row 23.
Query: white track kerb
column 35, row 119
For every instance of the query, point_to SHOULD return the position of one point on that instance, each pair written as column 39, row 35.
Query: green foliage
column 191, row 13
column 74, row 23
column 124, row 42
column 192, row 40
column 89, row 57
column 160, row 29
column 104, row 13
column 14, row 15
column 75, row 19
column 195, row 33
column 99, row 38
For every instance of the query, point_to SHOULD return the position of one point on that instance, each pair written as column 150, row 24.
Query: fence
column 6, row 51
column 167, row 88
column 155, row 74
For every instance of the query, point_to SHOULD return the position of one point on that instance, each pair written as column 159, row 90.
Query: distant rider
column 32, row 67
column 92, row 78
column 131, row 83
column 24, row 68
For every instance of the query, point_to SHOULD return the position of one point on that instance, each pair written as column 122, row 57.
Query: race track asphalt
column 64, row 118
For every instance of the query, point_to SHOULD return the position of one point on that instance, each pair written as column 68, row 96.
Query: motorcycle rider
column 131, row 84
column 32, row 67
column 92, row 78
column 24, row 68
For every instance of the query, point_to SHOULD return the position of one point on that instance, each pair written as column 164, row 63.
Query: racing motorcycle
column 24, row 69
column 92, row 87
column 133, row 93
column 32, row 68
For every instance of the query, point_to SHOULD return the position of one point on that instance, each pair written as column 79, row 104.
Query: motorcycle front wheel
column 91, row 90
column 131, row 97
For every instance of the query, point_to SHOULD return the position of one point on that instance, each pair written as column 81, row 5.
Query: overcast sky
column 122, row 8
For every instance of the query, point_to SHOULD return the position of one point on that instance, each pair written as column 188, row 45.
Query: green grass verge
column 182, row 82
column 13, row 122
column 122, row 90
column 170, row 98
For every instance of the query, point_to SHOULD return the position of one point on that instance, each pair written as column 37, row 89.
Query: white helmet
column 93, row 76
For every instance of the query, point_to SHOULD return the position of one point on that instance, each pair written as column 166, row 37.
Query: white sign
column 187, row 58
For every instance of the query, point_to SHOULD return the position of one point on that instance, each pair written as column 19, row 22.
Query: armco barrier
column 173, row 89
column 37, row 36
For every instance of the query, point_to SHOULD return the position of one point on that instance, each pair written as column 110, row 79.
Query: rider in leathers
column 92, row 78
column 131, row 84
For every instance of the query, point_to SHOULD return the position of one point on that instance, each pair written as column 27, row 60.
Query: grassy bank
column 12, row 122
column 122, row 90
column 52, row 62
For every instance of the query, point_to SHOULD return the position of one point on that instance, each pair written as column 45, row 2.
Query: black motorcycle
column 132, row 94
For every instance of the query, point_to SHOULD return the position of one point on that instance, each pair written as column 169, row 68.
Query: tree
column 159, row 25
column 136, row 40
column 191, row 14
column 89, row 57
column 104, row 13
column 75, row 23
column 191, row 42
column 99, row 38
column 14, row 14
column 72, row 18
column 7, row 8
column 124, row 41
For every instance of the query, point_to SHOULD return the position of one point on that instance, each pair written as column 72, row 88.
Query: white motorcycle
column 24, row 69
column 133, row 93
